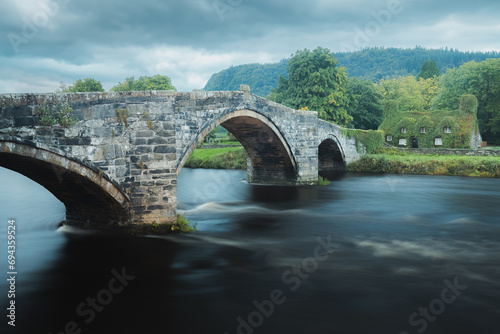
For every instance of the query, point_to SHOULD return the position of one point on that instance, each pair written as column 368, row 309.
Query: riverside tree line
column 316, row 82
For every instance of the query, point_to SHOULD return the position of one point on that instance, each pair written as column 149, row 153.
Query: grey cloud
column 87, row 36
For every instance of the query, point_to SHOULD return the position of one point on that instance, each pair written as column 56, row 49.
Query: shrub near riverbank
column 218, row 158
column 428, row 165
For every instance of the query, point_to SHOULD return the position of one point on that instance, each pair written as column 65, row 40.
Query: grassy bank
column 391, row 161
column 224, row 142
column 218, row 158
column 428, row 165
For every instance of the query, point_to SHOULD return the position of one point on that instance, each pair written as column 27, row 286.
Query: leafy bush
column 182, row 225
column 323, row 182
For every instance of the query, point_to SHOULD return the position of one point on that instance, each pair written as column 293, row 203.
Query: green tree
column 408, row 94
column 428, row 89
column 403, row 92
column 314, row 81
column 87, row 85
column 156, row 82
column 483, row 81
column 430, row 69
column 365, row 104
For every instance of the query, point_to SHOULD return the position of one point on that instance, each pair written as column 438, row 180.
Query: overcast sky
column 44, row 42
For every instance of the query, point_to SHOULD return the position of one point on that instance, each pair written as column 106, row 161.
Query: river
column 366, row 254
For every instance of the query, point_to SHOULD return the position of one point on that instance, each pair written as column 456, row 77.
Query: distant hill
column 260, row 77
column 379, row 63
column 371, row 64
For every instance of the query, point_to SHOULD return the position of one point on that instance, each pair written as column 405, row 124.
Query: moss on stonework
column 372, row 140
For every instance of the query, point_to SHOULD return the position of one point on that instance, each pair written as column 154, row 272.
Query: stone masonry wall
column 137, row 152
column 451, row 151
column 328, row 130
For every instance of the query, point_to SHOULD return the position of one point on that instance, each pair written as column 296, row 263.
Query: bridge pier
column 152, row 188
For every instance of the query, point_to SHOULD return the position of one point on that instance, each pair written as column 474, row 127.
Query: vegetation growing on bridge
column 182, row 225
column 323, row 181
column 56, row 115
column 122, row 116
column 372, row 140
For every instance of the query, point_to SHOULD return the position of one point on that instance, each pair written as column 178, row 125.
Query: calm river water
column 367, row 254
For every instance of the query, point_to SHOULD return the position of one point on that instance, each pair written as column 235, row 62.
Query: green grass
column 224, row 142
column 323, row 182
column 218, row 158
column 428, row 165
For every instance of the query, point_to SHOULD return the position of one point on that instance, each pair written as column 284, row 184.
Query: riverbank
column 391, row 161
column 419, row 164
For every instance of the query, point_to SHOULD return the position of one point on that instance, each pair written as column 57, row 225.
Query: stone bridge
column 118, row 164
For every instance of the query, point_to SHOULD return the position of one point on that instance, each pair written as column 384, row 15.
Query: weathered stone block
column 164, row 149
column 143, row 149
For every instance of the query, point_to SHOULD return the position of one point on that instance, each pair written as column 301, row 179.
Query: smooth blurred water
column 396, row 240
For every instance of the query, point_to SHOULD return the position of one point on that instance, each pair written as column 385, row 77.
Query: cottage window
column 438, row 141
column 423, row 130
column 403, row 130
column 402, row 142
column 389, row 138
column 447, row 129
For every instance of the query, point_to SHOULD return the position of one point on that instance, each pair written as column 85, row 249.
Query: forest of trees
column 386, row 81
column 371, row 64
column 375, row 64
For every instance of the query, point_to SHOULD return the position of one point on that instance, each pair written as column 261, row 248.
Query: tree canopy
column 378, row 63
column 365, row 104
column 429, row 69
column 314, row 81
column 86, row 85
column 408, row 93
column 483, row 81
column 156, row 82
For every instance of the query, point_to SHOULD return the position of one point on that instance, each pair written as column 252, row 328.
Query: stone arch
column 271, row 159
column 89, row 195
column 331, row 156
